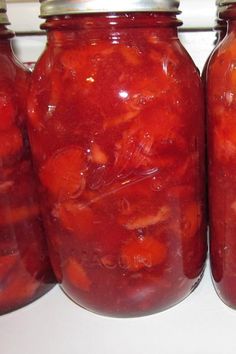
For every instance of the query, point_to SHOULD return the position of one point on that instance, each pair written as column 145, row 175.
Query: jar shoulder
column 223, row 55
column 146, row 57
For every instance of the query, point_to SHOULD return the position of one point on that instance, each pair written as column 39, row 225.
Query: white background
column 201, row 324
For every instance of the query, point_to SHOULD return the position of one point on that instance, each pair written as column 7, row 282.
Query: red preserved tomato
column 118, row 143
column 7, row 110
column 221, row 91
column 63, row 173
column 25, row 272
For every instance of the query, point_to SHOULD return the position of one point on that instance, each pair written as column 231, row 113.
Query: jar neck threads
column 113, row 27
column 5, row 33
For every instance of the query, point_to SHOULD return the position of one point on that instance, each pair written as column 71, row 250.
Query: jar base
column 139, row 313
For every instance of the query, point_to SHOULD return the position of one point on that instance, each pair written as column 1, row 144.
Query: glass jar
column 221, row 24
column 221, row 98
column 25, row 273
column 220, row 30
column 118, row 143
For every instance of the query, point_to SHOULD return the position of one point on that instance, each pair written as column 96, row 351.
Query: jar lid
column 221, row 6
column 67, row 7
column 225, row 2
column 3, row 13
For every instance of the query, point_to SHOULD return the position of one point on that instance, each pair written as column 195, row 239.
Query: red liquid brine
column 117, row 134
column 25, row 272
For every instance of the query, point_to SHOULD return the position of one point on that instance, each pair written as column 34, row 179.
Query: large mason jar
column 117, row 133
column 25, row 272
column 221, row 97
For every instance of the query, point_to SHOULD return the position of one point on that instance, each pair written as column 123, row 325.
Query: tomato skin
column 11, row 142
column 120, row 157
column 63, row 173
column 138, row 254
column 76, row 218
column 77, row 275
column 25, row 271
column 7, row 111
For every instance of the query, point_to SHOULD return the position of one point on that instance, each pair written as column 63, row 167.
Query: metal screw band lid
column 221, row 7
column 67, row 7
column 225, row 2
column 3, row 13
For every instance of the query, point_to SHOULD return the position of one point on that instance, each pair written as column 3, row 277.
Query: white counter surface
column 201, row 324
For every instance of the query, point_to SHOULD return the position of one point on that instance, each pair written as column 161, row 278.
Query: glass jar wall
column 220, row 30
column 222, row 157
column 221, row 23
column 25, row 272
column 118, row 144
